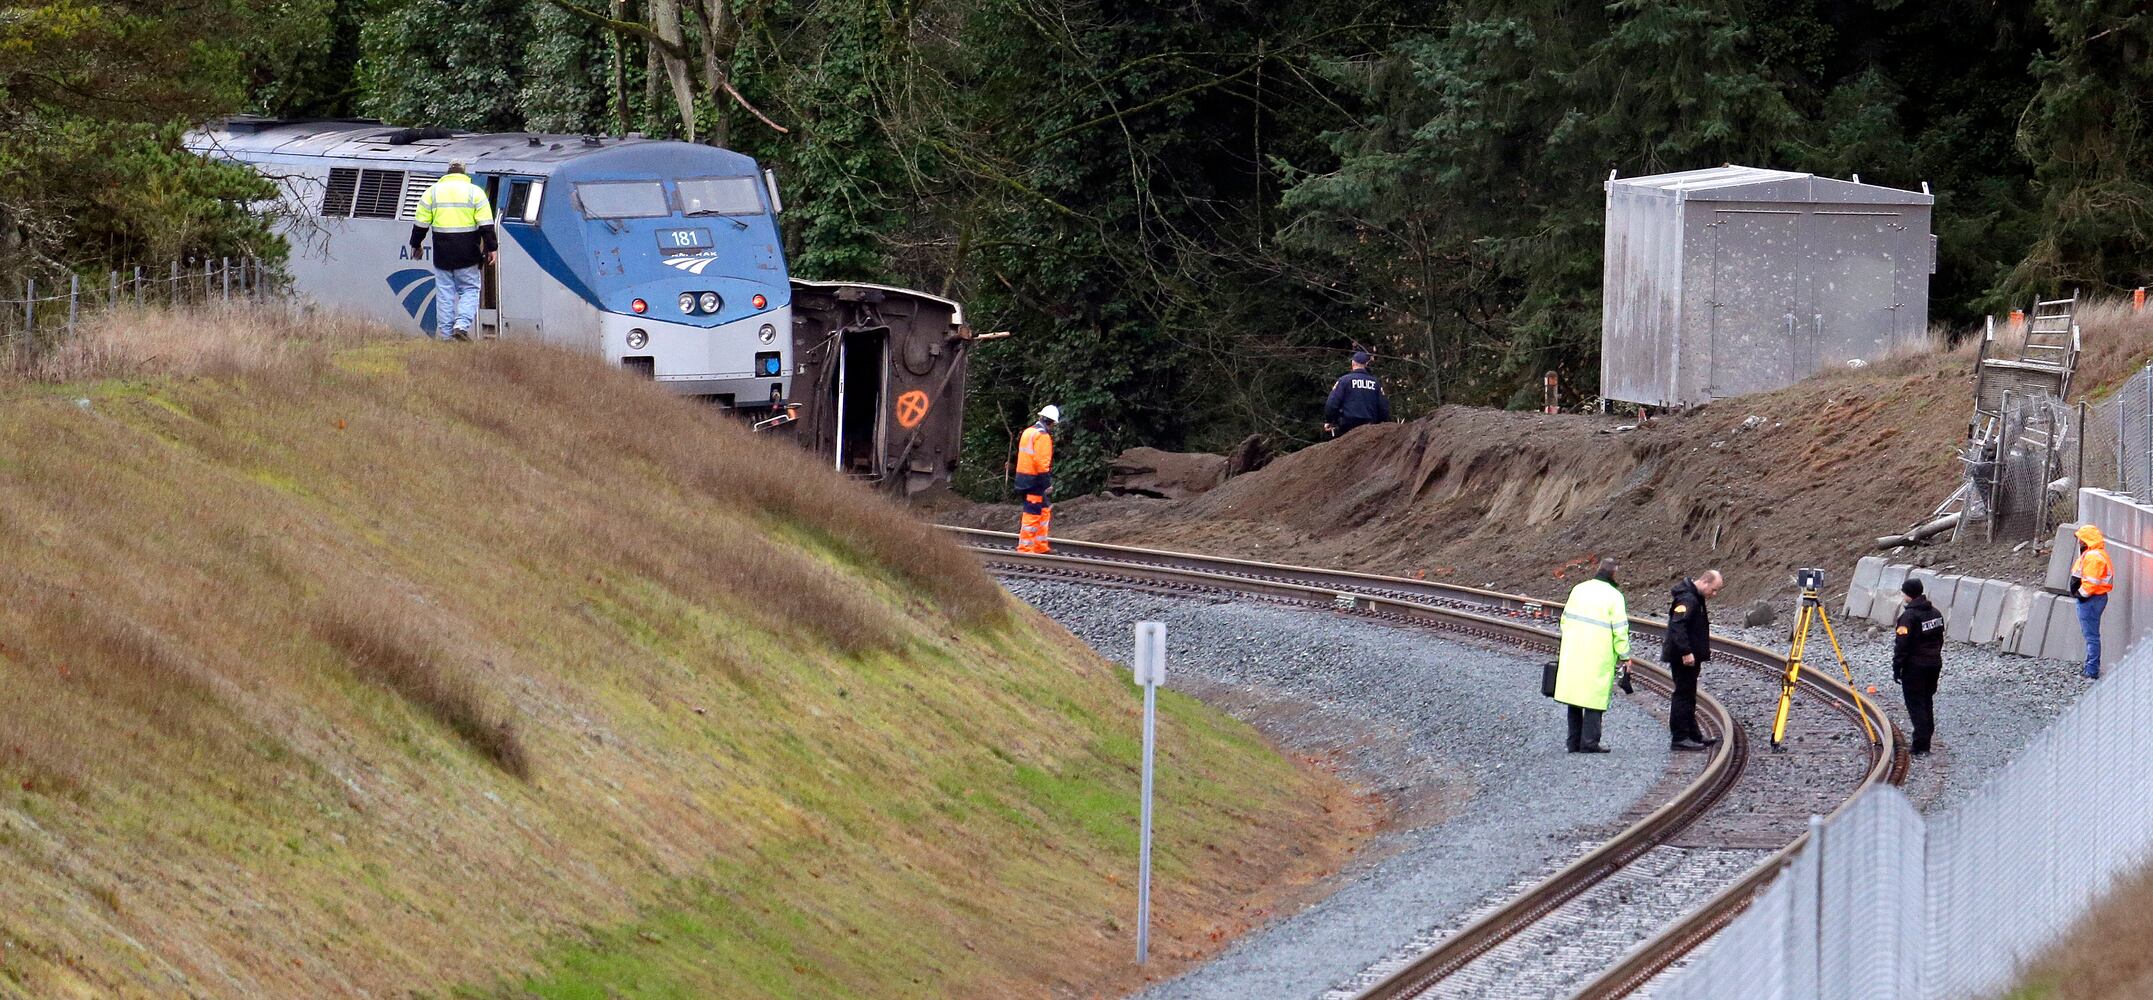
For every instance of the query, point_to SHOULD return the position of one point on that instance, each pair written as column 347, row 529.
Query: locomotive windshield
column 720, row 196
column 623, row 199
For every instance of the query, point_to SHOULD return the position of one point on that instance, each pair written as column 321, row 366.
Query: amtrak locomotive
column 660, row 256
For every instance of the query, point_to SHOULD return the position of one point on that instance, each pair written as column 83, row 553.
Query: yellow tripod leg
column 1794, row 671
column 1848, row 672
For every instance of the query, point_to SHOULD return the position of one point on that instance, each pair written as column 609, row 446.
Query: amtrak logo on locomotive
column 416, row 285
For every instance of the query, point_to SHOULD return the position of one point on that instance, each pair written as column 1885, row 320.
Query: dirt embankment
column 1526, row 502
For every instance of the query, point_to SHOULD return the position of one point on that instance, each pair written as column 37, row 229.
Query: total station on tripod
column 1810, row 612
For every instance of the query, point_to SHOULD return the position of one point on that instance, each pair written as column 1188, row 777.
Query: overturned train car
column 879, row 381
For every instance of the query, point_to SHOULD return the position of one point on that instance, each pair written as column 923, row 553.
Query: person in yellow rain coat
column 1595, row 647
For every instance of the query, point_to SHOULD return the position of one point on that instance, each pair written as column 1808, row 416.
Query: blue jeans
column 456, row 300
column 2089, row 622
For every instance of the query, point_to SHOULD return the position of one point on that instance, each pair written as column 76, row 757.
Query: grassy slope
column 336, row 666
column 2105, row 956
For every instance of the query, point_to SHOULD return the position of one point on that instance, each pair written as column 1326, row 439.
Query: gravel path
column 1989, row 704
column 1458, row 735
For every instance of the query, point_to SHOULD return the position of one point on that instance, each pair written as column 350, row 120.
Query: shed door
column 1854, row 287
column 1756, row 282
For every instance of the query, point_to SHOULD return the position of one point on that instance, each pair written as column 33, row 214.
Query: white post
column 1149, row 664
column 837, row 460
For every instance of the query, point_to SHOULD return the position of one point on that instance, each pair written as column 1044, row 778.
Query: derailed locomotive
column 661, row 257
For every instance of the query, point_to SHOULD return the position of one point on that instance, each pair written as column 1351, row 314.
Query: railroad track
column 1739, row 800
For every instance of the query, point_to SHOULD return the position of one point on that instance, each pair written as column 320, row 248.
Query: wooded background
column 1187, row 212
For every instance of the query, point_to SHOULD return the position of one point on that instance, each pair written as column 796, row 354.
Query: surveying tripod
column 1811, row 612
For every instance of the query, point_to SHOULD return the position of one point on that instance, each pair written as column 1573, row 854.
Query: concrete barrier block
column 1988, row 611
column 2062, row 641
column 2017, row 610
column 1965, row 601
column 1947, row 591
column 2029, row 638
column 1886, row 606
column 2058, row 577
column 1861, row 590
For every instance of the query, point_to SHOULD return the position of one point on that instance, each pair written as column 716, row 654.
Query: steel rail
column 1527, row 622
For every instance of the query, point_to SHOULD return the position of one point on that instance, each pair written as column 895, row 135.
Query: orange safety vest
column 2096, row 575
column 1035, row 452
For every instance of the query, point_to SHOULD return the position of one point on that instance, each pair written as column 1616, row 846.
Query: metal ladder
column 2050, row 338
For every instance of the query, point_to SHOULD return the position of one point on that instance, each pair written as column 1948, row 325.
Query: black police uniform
column 1356, row 398
column 1917, row 660
column 1689, row 633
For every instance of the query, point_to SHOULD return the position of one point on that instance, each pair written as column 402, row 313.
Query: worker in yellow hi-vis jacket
column 1595, row 646
column 455, row 210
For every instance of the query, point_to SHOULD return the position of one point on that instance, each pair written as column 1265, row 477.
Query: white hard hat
column 1051, row 412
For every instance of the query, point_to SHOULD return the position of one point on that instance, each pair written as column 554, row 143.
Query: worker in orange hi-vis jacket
column 2092, row 577
column 1035, row 479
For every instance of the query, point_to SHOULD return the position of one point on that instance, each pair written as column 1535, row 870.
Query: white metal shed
column 1734, row 280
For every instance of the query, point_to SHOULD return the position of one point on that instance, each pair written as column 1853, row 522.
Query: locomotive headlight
column 637, row 339
column 767, row 334
column 638, row 306
column 758, row 301
column 687, row 303
column 711, row 302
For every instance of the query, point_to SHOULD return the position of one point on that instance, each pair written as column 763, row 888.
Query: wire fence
column 1887, row 905
column 2128, row 419
column 50, row 307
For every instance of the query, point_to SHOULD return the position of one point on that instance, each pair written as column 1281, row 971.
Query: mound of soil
column 1528, row 502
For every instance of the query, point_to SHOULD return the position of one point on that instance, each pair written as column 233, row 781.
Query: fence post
column 2078, row 478
column 224, row 264
column 138, row 286
column 172, row 288
column 112, row 289
column 74, row 295
column 29, row 306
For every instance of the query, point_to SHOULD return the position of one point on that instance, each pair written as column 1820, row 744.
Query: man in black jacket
column 1356, row 398
column 1917, row 660
column 1688, row 646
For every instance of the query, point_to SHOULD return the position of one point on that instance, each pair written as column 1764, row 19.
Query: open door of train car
column 879, row 379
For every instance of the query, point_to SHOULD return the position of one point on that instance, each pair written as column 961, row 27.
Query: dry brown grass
column 210, row 341
column 2103, row 958
column 384, row 647
column 2114, row 343
column 718, row 460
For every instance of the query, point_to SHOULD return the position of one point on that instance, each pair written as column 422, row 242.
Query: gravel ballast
column 1458, row 736
column 1989, row 704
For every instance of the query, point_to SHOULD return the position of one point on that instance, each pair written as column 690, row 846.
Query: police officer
column 1687, row 647
column 1035, row 479
column 1917, row 659
column 1595, row 645
column 462, row 223
column 1356, row 398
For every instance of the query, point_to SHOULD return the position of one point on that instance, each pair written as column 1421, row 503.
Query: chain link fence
column 1885, row 905
column 2112, row 445
column 50, row 307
